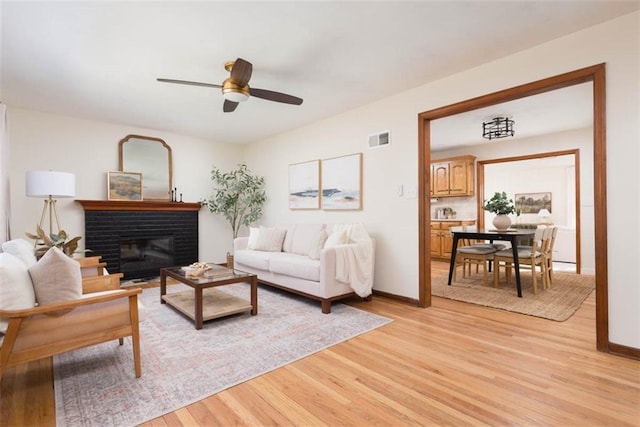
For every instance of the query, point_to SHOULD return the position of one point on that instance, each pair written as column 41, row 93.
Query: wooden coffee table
column 204, row 302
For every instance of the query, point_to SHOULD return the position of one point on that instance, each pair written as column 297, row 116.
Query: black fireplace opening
column 144, row 257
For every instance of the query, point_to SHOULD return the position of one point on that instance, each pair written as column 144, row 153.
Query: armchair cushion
column 21, row 249
column 56, row 278
column 16, row 292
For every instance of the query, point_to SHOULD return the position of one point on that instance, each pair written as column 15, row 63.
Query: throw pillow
column 56, row 277
column 317, row 244
column 306, row 236
column 16, row 290
column 336, row 238
column 254, row 232
column 270, row 239
column 22, row 249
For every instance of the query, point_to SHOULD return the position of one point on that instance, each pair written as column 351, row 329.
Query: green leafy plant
column 237, row 195
column 499, row 204
column 60, row 241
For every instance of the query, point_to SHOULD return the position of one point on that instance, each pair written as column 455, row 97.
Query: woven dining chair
column 528, row 257
column 472, row 253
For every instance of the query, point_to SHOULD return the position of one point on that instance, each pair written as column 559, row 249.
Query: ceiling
column 100, row 60
column 550, row 112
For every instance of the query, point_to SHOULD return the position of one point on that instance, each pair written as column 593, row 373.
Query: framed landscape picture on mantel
column 342, row 182
column 124, row 186
column 304, row 185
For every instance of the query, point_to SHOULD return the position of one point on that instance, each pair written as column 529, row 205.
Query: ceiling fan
column 236, row 88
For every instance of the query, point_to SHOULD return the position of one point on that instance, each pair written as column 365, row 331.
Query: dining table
column 511, row 235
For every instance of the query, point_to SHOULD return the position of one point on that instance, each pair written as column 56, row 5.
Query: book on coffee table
column 217, row 271
column 207, row 270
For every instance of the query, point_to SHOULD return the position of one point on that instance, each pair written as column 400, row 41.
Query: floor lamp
column 50, row 184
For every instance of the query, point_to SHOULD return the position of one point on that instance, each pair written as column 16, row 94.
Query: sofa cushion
column 294, row 265
column 22, row 249
column 254, row 232
column 254, row 259
column 305, row 237
column 318, row 244
column 288, row 238
column 56, row 277
column 16, row 290
column 270, row 239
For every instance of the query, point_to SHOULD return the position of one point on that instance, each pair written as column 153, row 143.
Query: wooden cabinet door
column 446, row 240
column 453, row 177
column 458, row 179
column 435, row 240
column 441, row 179
column 435, row 244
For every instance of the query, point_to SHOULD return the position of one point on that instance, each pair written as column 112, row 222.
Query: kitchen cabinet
column 441, row 240
column 453, row 177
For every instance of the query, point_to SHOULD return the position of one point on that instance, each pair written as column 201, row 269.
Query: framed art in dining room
column 342, row 182
column 532, row 203
column 304, row 185
column 124, row 185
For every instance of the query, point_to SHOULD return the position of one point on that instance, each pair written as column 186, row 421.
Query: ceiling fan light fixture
column 233, row 92
column 498, row 127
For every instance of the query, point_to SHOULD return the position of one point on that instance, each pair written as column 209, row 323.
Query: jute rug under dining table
column 558, row 302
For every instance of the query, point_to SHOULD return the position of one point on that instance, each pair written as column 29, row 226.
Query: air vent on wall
column 379, row 140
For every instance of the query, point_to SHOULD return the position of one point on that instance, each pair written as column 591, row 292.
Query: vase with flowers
column 501, row 206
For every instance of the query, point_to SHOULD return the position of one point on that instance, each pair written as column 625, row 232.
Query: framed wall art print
column 342, row 183
column 304, row 185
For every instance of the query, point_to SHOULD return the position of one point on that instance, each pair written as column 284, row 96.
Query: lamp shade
column 544, row 213
column 50, row 183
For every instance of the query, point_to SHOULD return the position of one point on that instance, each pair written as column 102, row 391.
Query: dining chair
column 528, row 257
column 548, row 252
column 472, row 253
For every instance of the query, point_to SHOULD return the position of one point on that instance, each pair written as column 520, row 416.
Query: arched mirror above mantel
column 151, row 157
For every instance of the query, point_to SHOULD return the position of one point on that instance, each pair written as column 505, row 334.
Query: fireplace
column 139, row 238
column 146, row 256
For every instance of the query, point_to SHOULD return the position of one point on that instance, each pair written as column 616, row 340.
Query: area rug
column 558, row 302
column 96, row 386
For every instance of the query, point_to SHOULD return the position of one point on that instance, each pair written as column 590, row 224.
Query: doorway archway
column 594, row 74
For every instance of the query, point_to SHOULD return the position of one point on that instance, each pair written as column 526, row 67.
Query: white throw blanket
column 354, row 261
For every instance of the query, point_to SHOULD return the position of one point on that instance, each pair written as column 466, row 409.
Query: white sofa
column 303, row 259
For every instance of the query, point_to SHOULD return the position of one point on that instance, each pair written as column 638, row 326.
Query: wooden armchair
column 104, row 313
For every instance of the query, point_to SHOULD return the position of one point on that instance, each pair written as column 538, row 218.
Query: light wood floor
column 451, row 364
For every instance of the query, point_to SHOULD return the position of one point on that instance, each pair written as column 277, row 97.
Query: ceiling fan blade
column 270, row 95
column 229, row 106
column 187, row 82
column 241, row 72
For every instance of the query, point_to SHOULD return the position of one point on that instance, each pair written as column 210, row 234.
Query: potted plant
column 237, row 195
column 60, row 241
column 502, row 206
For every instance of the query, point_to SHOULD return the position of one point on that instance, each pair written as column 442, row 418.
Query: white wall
column 392, row 220
column 89, row 149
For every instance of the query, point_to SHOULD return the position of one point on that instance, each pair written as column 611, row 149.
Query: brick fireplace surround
column 112, row 225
